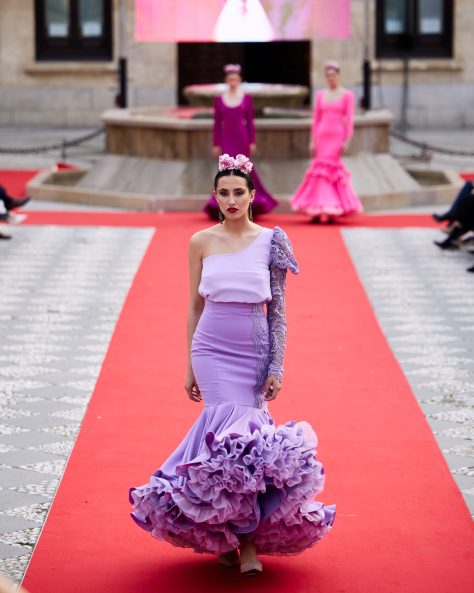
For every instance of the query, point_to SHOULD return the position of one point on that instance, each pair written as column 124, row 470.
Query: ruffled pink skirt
column 326, row 189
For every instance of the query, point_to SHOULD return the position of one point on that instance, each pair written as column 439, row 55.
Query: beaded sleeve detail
column 282, row 259
column 260, row 339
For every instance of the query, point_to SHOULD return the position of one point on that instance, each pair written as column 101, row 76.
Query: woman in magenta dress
column 237, row 485
column 326, row 191
column 234, row 133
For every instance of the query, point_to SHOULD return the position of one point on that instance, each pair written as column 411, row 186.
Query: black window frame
column 74, row 47
column 412, row 43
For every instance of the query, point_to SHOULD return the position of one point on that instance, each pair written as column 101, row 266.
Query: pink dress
column 234, row 131
column 326, row 188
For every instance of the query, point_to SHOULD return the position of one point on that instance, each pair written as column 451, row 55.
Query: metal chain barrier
column 56, row 146
column 426, row 148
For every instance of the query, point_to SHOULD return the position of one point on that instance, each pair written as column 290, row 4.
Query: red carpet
column 402, row 525
column 150, row 219
column 14, row 181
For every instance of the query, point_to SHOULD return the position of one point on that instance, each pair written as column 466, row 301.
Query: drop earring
column 250, row 212
column 221, row 216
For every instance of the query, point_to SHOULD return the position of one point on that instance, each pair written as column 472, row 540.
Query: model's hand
column 311, row 149
column 253, row 149
column 216, row 151
column 345, row 146
column 192, row 388
column 272, row 387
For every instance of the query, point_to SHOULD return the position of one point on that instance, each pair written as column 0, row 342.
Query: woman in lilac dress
column 237, row 485
column 326, row 191
column 234, row 133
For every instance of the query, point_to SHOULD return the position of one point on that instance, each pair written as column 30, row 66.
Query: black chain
column 57, row 146
column 430, row 148
column 424, row 146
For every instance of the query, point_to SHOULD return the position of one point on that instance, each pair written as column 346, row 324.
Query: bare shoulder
column 202, row 238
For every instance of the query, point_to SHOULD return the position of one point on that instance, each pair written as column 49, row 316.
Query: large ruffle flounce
column 259, row 481
column 326, row 189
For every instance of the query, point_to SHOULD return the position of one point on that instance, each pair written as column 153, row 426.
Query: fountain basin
column 263, row 95
column 186, row 133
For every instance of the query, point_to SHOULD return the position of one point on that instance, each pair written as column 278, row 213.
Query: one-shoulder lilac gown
column 234, row 131
column 236, row 473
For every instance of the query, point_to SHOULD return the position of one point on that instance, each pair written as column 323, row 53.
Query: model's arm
column 349, row 115
column 251, row 125
column 216, row 131
column 314, row 127
column 282, row 260
column 196, row 306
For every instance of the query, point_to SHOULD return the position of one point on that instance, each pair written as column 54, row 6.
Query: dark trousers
column 463, row 205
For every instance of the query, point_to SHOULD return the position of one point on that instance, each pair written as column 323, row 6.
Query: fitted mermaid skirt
column 235, row 473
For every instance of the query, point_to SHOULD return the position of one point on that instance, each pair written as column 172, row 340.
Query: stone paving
column 61, row 291
column 424, row 302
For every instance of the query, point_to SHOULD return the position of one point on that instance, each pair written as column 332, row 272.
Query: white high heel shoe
column 251, row 569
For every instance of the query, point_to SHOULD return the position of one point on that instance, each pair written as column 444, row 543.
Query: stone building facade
column 438, row 92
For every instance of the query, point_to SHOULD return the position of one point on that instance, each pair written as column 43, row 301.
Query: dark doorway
column 281, row 62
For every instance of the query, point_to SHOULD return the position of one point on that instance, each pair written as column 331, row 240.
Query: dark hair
column 237, row 173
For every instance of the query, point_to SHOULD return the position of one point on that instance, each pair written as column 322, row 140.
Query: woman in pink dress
column 234, row 133
column 326, row 191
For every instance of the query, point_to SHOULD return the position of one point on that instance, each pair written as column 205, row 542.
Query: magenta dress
column 236, row 473
column 234, row 132
column 326, row 188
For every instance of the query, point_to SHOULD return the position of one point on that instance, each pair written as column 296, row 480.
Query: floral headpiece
column 332, row 65
column 240, row 162
column 232, row 68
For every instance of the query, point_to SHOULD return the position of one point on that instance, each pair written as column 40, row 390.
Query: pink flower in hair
column 243, row 163
column 240, row 162
column 232, row 69
column 226, row 162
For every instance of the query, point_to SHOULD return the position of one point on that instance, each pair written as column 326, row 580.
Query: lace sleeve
column 282, row 259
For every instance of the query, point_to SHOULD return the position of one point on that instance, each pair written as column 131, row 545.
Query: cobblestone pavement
column 61, row 291
column 424, row 302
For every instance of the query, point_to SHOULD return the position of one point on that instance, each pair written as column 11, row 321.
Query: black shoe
column 447, row 244
column 439, row 217
column 11, row 203
column 5, row 237
column 471, row 269
column 315, row 220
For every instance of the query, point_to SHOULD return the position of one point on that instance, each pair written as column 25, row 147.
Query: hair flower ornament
column 240, row 162
column 232, row 69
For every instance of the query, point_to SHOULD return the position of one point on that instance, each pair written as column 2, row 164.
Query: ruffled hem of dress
column 260, row 484
column 326, row 189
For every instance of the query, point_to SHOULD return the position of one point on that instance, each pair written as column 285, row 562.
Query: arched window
column 414, row 28
column 73, row 29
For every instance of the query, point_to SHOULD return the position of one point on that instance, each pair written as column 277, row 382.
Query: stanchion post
column 123, row 86
column 366, row 67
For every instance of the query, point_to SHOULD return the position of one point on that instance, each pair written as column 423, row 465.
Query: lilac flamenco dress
column 234, row 132
column 236, row 473
column 326, row 188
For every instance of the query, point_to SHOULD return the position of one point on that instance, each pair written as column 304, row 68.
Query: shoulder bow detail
column 281, row 252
